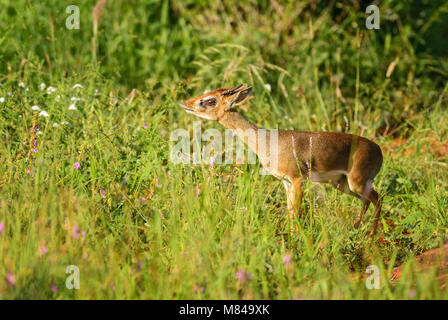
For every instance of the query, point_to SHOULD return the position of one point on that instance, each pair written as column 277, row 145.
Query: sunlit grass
column 90, row 182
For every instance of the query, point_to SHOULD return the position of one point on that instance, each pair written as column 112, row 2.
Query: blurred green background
column 214, row 232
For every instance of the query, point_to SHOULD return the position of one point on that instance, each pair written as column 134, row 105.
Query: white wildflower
column 77, row 86
column 43, row 86
column 50, row 90
column 58, row 98
column 2, row 99
column 267, row 87
column 35, row 108
column 38, row 132
column 72, row 107
column 22, row 85
column 55, row 124
column 43, row 113
column 75, row 99
column 9, row 93
column 64, row 123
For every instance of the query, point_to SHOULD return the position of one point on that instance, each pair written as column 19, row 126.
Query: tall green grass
column 158, row 230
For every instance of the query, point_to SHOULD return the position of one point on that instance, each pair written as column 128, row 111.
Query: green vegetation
column 158, row 230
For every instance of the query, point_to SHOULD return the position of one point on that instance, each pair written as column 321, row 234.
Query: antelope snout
column 183, row 106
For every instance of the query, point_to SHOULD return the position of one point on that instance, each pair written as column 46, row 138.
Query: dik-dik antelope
column 348, row 162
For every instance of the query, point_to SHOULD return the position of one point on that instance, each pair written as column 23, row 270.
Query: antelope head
column 214, row 104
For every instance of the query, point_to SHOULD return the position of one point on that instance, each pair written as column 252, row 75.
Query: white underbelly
column 333, row 175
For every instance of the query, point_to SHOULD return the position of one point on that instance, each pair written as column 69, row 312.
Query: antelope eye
column 210, row 102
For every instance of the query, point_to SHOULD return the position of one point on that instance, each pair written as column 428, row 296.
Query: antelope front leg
column 297, row 195
column 290, row 203
column 294, row 199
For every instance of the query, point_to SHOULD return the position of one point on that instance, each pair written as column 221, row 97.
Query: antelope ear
column 241, row 97
column 232, row 91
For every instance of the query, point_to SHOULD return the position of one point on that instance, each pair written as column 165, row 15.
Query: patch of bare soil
column 435, row 258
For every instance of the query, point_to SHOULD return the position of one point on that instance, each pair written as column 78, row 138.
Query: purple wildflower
column 157, row 183
column 76, row 232
column 239, row 274
column 242, row 275
column 198, row 288
column 43, row 250
column 76, row 165
column 11, row 279
column 287, row 260
column 54, row 288
column 212, row 162
column 144, row 125
column 103, row 195
column 2, row 227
